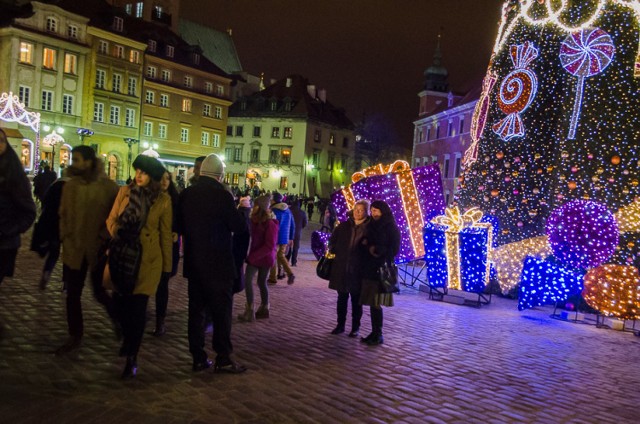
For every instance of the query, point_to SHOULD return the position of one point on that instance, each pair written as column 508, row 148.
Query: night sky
column 369, row 55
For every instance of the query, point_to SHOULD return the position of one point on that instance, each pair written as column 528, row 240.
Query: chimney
column 322, row 94
column 289, row 82
column 311, row 89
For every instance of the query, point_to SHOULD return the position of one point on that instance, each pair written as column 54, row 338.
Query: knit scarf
column 131, row 221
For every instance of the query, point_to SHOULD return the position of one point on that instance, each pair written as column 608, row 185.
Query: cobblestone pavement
column 440, row 363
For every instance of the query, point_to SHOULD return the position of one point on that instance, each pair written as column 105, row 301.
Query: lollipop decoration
column 517, row 91
column 583, row 54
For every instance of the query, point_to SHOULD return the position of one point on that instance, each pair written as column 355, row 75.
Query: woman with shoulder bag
column 141, row 214
column 346, row 244
column 382, row 243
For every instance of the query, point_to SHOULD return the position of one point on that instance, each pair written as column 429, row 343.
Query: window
column 230, row 130
column 166, row 75
column 461, row 124
column 51, row 25
column 216, row 140
column 332, row 139
column 219, row 90
column 274, row 154
column 257, row 131
column 134, row 56
column 228, row 153
column 118, row 51
column 208, row 87
column 445, row 170
column 273, row 106
column 151, row 72
column 152, row 45
column 345, row 142
column 204, row 138
column 114, row 115
column 70, row 64
column 186, row 105
column 188, row 81
column 101, row 76
column 67, row 104
column 24, row 94
column 72, row 32
column 447, row 197
column 116, row 79
column 184, row 135
column 147, row 129
column 150, row 97
column 235, row 179
column 450, row 129
column 255, row 155
column 196, row 58
column 434, row 159
column 331, row 161
column 170, row 51
column 98, row 112
column 239, row 130
column 162, row 130
column 48, row 58
column 457, row 165
column 428, row 133
column 417, row 162
column 118, row 23
column 139, row 8
column 275, row 132
column 226, row 178
column 437, row 135
column 218, row 112
column 128, row 9
column 26, row 52
column 130, row 118
column 285, row 156
column 132, row 88
column 103, row 47
column 237, row 154
column 164, row 100
column 287, row 132
column 315, row 160
column 284, row 183
column 288, row 106
column 47, row 100
column 206, row 110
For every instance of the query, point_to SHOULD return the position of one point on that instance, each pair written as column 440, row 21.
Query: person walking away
column 240, row 242
column 346, row 244
column 46, row 233
column 141, row 211
column 162, row 292
column 42, row 182
column 86, row 201
column 285, row 237
column 207, row 217
column 197, row 164
column 310, row 209
column 17, row 208
column 300, row 221
column 382, row 240
column 261, row 257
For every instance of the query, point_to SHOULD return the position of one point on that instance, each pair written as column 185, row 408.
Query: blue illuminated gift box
column 457, row 250
column 544, row 282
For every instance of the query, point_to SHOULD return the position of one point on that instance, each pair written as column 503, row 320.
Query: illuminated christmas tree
column 559, row 116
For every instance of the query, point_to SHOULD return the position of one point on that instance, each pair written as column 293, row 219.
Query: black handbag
column 323, row 269
column 388, row 277
column 125, row 257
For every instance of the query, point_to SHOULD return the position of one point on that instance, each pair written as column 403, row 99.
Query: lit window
column 72, row 32
column 130, row 118
column 184, row 135
column 275, row 132
column 204, row 138
column 166, row 75
column 139, row 9
column 284, row 183
column 70, row 63
column 285, row 157
column 287, row 133
column 188, row 81
column 103, row 47
column 206, row 110
column 216, row 140
column 98, row 112
column 162, row 130
column 134, row 56
column 150, row 97
column 132, row 88
column 117, row 83
column 67, row 104
column 26, row 52
column 170, row 51
column 51, row 24
column 186, row 105
column 236, row 178
column 148, row 129
column 118, row 51
column 101, row 76
column 24, row 94
column 332, row 139
column 218, row 112
column 48, row 58
column 114, row 116
column 164, row 100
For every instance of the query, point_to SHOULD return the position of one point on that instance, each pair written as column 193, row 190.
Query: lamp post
column 130, row 142
column 82, row 133
column 52, row 139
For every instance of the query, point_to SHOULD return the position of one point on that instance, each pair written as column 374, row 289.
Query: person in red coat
column 261, row 257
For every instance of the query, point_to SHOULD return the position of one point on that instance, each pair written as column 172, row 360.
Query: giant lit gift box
column 414, row 195
column 457, row 248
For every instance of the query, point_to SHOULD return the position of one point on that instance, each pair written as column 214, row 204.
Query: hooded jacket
column 287, row 226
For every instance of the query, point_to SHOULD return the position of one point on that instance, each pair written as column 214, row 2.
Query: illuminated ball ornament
column 613, row 290
column 615, row 160
column 582, row 233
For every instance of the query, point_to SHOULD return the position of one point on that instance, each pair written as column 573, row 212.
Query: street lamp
column 130, row 142
column 82, row 133
column 52, row 139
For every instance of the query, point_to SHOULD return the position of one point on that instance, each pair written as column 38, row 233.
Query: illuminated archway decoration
column 12, row 110
column 517, row 91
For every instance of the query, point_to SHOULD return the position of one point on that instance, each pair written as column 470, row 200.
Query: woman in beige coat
column 142, row 209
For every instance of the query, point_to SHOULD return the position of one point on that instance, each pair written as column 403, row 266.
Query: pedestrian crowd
column 129, row 240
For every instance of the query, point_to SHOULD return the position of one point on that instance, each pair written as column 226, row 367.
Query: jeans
column 262, row 284
column 282, row 261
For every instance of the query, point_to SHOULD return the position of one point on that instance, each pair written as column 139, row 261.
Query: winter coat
column 382, row 243
column 42, row 182
column 155, row 239
column 84, row 208
column 240, row 243
column 47, row 229
column 264, row 237
column 287, row 226
column 17, row 211
column 299, row 220
column 207, row 217
column 346, row 243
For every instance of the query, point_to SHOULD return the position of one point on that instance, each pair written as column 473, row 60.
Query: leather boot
column 130, row 368
column 160, row 328
column 263, row 312
column 248, row 315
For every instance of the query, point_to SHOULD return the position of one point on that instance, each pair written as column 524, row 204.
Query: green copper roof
column 217, row 46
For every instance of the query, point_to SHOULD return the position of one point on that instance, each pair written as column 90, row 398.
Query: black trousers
column 52, row 256
column 356, row 309
column 162, row 297
column 75, row 283
column 132, row 313
column 216, row 299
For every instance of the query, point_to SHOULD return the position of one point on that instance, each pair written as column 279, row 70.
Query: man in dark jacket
column 42, row 181
column 207, row 217
column 300, row 220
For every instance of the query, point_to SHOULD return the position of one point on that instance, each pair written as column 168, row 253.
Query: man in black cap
column 207, row 217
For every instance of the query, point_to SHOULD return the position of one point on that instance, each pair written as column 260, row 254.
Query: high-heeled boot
column 263, row 312
column 130, row 368
column 248, row 315
column 161, row 329
column 376, row 324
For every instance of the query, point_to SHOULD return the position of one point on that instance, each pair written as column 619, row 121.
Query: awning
column 177, row 159
column 13, row 133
